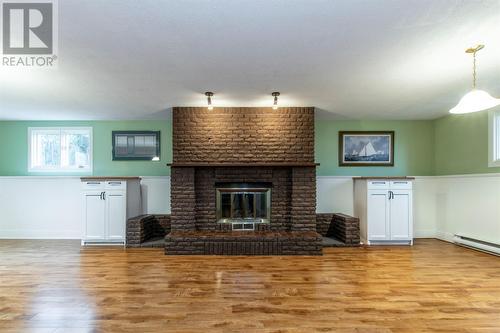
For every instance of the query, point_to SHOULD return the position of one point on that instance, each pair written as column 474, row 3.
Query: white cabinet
column 107, row 204
column 378, row 206
column 385, row 210
column 400, row 215
column 116, row 208
column 94, row 216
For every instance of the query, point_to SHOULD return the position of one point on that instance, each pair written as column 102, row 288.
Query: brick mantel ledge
column 240, row 165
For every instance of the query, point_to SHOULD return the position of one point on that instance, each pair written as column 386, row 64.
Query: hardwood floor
column 55, row 286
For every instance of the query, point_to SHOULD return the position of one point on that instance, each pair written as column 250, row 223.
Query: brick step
column 243, row 243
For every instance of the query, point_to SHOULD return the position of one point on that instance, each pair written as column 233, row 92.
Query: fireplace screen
column 243, row 203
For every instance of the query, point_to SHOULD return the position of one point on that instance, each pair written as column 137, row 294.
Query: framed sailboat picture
column 366, row 148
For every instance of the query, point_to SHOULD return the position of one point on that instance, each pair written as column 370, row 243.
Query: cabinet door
column 116, row 215
column 94, row 216
column 378, row 215
column 401, row 212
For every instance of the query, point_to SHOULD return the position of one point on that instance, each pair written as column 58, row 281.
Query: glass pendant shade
column 474, row 101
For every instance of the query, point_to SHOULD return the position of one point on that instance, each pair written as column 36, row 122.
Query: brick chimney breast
column 246, row 145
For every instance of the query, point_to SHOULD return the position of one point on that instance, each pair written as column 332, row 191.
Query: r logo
column 27, row 28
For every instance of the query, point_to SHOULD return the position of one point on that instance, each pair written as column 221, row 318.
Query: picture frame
column 136, row 145
column 366, row 148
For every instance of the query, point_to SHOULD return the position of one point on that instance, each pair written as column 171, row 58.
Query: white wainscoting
column 335, row 194
column 468, row 205
column 156, row 195
column 40, row 207
column 49, row 207
column 424, row 207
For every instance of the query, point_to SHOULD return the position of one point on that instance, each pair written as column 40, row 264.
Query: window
column 494, row 139
column 67, row 149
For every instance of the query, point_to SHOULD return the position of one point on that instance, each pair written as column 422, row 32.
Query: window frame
column 60, row 169
column 157, row 135
column 494, row 138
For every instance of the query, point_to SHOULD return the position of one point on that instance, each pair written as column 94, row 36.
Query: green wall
column 413, row 151
column 455, row 144
column 413, row 147
column 461, row 145
column 14, row 148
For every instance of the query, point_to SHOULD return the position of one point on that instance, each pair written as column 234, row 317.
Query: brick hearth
column 247, row 145
column 143, row 228
column 244, row 243
column 149, row 231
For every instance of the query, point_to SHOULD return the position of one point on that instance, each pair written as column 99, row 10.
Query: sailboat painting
column 366, row 148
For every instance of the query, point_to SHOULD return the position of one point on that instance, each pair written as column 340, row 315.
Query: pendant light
column 209, row 95
column 475, row 100
column 275, row 102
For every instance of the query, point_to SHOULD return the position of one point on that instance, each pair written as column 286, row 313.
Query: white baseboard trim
column 38, row 234
column 445, row 236
column 430, row 233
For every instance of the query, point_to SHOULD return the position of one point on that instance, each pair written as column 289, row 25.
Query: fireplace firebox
column 243, row 205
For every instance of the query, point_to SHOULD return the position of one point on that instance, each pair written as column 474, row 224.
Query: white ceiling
column 350, row 59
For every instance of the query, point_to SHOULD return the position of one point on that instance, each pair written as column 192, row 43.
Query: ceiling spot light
column 209, row 100
column 275, row 103
column 475, row 100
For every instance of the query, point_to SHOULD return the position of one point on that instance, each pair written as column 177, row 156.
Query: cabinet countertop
column 384, row 178
column 84, row 179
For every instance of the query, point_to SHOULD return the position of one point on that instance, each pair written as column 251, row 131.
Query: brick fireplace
column 259, row 147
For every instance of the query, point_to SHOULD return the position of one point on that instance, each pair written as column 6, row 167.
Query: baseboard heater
column 477, row 244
